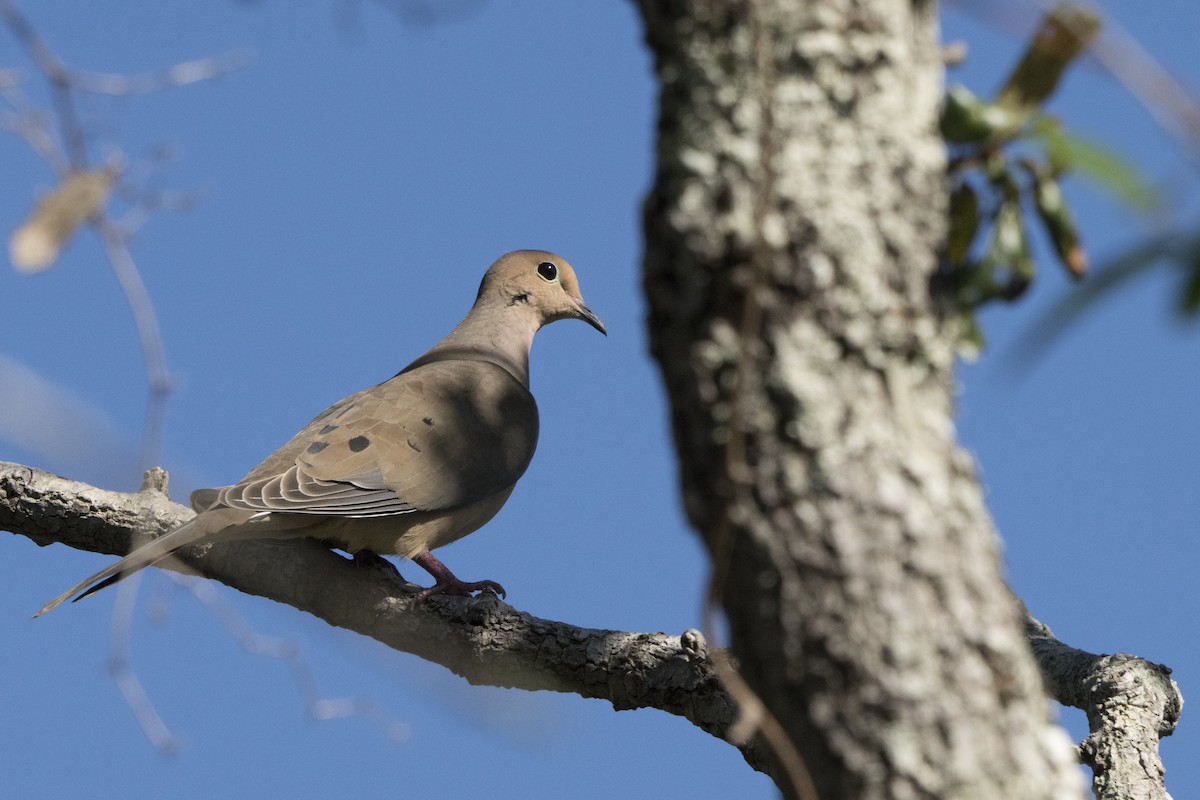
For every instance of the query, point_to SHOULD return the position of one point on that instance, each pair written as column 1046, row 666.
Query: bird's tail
column 195, row 531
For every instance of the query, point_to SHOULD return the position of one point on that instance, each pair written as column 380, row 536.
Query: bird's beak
column 589, row 316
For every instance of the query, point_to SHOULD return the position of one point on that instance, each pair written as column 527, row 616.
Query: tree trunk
column 791, row 232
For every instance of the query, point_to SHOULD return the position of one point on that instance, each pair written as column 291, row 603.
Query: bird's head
column 540, row 282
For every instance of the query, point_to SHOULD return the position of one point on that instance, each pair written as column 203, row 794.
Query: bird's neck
column 499, row 335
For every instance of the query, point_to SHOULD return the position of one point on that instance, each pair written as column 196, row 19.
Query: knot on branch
column 1122, row 685
column 155, row 479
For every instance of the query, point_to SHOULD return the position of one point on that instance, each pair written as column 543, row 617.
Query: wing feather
column 441, row 436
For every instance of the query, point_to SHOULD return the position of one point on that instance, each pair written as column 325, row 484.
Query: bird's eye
column 548, row 270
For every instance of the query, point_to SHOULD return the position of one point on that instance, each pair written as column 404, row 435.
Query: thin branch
column 59, row 77
column 34, row 127
column 28, row 122
column 158, row 379
column 288, row 651
column 119, row 669
column 1169, row 102
column 200, row 69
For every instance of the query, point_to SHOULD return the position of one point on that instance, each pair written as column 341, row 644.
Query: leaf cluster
column 1008, row 158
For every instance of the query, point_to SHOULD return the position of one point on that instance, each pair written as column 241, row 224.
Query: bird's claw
column 446, row 582
column 460, row 589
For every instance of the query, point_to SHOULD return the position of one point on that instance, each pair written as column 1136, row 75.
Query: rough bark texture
column 1130, row 703
column 790, row 235
column 484, row 640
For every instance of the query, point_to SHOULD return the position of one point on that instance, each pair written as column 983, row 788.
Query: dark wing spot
column 358, row 444
column 428, row 421
column 413, row 444
column 328, row 429
column 317, row 447
column 343, row 411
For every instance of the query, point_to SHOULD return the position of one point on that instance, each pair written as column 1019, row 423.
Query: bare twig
column 288, row 651
column 28, row 122
column 1173, row 107
column 57, row 75
column 136, row 697
column 201, row 69
column 68, row 155
column 116, row 248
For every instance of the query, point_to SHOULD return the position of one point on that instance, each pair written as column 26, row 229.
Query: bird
column 408, row 465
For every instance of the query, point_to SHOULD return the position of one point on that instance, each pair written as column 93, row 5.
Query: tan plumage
column 411, row 464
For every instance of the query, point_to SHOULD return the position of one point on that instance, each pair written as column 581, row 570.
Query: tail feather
column 192, row 532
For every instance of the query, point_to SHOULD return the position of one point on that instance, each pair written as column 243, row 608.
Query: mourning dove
column 411, row 464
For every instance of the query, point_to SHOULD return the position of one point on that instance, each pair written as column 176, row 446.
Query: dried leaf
column 1064, row 33
column 35, row 245
column 1058, row 221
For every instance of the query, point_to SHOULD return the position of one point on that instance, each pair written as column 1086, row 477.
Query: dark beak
column 588, row 316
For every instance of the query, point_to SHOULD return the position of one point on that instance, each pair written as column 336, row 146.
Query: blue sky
column 355, row 180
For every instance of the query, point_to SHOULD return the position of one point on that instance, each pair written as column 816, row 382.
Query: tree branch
column 1130, row 704
column 483, row 640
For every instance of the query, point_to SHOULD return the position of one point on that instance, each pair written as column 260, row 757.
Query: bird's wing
column 441, row 436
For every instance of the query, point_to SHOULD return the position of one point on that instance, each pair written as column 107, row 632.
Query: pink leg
column 446, row 582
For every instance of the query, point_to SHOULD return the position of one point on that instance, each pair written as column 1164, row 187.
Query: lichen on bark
column 791, row 233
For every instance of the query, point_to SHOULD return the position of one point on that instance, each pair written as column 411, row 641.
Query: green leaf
column 1095, row 161
column 968, row 120
column 964, row 223
column 1189, row 303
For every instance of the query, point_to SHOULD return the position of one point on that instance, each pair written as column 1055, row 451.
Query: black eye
column 548, row 270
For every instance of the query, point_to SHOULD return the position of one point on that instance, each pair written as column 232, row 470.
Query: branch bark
column 1131, row 704
column 790, row 234
column 483, row 640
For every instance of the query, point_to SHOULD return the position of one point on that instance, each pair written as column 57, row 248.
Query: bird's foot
column 447, row 583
